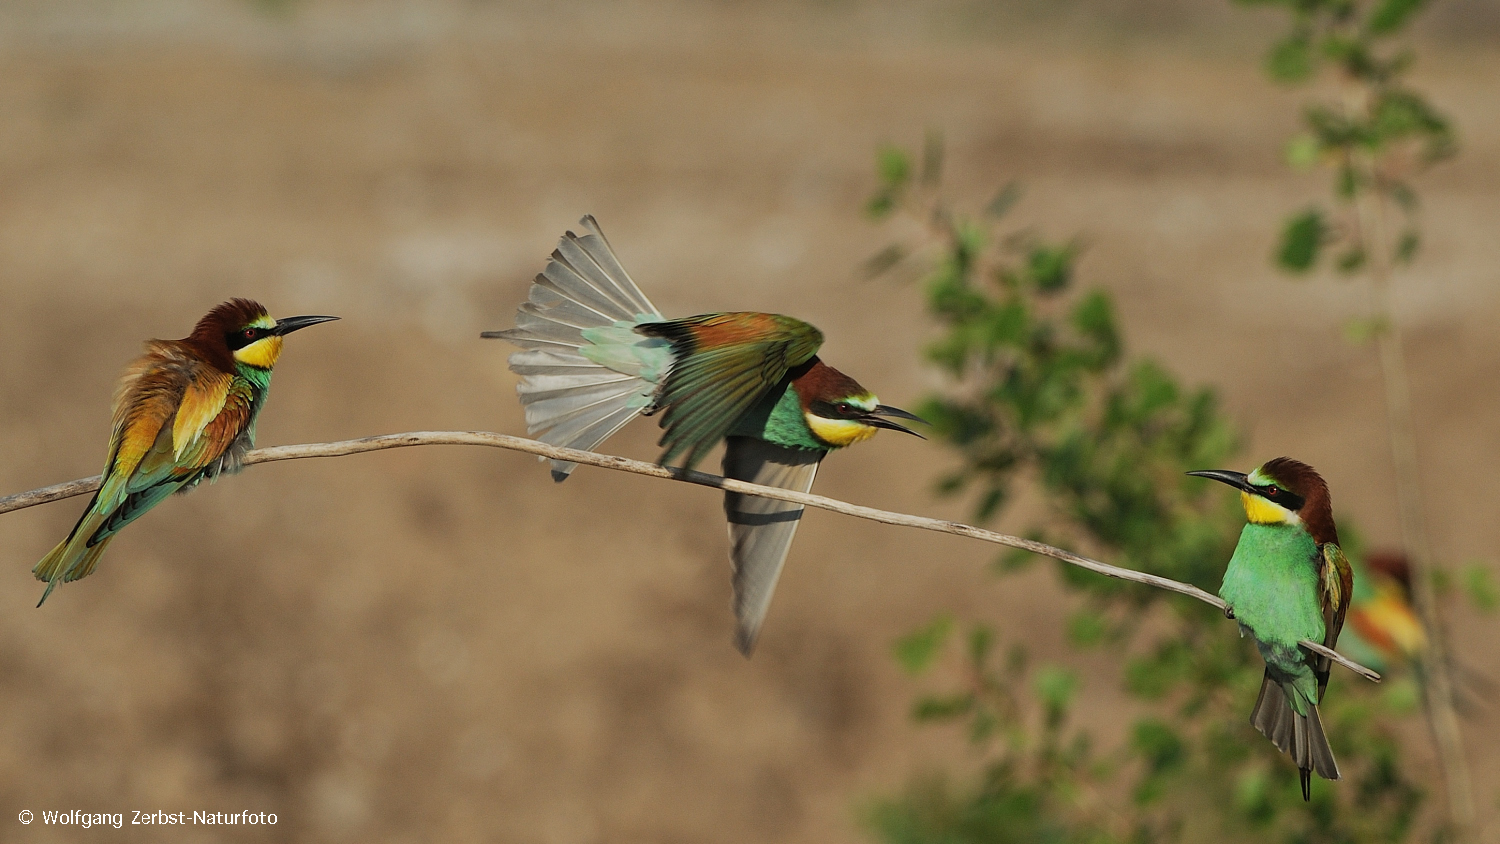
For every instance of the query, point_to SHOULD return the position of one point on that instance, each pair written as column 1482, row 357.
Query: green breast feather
column 777, row 418
column 1272, row 586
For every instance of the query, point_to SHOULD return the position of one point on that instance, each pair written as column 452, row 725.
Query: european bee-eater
column 1383, row 625
column 184, row 411
column 1286, row 582
column 596, row 354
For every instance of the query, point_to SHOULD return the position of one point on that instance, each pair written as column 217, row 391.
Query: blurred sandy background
column 441, row 645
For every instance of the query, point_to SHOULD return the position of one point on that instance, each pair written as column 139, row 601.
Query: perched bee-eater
column 1286, row 582
column 184, row 411
column 597, row 353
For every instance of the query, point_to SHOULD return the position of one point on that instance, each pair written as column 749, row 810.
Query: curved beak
column 874, row 418
column 1237, row 480
column 297, row 323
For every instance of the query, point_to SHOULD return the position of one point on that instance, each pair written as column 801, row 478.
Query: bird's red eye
column 844, row 409
column 249, row 333
column 1272, row 492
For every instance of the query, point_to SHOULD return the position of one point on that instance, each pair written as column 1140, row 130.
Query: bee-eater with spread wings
column 185, row 411
column 1286, row 582
column 596, row 354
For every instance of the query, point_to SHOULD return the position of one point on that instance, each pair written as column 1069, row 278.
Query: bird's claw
column 1228, row 611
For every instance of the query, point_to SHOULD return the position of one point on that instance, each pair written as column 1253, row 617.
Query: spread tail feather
column 584, row 372
column 1300, row 736
column 72, row 559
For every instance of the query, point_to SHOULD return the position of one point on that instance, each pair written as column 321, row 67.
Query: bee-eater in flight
column 184, row 411
column 1286, row 582
column 596, row 354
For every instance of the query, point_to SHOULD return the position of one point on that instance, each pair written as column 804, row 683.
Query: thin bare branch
column 588, row 458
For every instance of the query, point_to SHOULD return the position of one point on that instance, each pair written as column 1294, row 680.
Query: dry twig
column 84, row 486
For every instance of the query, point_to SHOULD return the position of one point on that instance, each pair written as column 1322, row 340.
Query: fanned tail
column 584, row 372
column 1300, row 736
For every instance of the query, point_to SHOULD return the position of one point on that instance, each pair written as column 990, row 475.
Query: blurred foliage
column 1373, row 137
column 1374, row 133
column 1044, row 392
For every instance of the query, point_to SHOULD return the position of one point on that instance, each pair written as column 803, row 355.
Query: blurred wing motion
column 584, row 370
column 177, row 420
column 761, row 529
column 725, row 363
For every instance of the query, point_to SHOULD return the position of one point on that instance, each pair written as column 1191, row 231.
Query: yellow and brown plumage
column 184, row 411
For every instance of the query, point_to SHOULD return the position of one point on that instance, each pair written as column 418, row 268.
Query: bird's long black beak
column 874, row 418
column 1238, row 480
column 297, row 323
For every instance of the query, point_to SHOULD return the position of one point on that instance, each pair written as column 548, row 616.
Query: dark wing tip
column 744, row 640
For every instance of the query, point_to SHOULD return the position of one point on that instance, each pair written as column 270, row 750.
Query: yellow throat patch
column 839, row 432
column 262, row 353
column 1262, row 512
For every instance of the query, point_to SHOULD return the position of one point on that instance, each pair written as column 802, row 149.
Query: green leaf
column 882, row 262
column 1404, row 196
column 932, row 159
column 1086, row 627
column 1401, row 695
column 1159, row 745
column 1407, row 246
column 1301, row 238
column 1303, row 151
column 1094, row 318
column 1479, row 584
column 1346, row 182
column 1055, row 687
column 1390, row 15
column 1004, row 200
column 1291, row 59
column 916, row 650
column 1352, row 260
column 1360, row 331
column 942, row 707
column 893, row 166
column 893, row 169
column 1252, row 792
column 1051, row 267
column 1016, row 559
column 981, row 642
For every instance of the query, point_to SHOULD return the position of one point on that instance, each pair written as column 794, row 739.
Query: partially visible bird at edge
column 1288, row 581
column 185, row 411
column 1385, row 630
column 596, row 354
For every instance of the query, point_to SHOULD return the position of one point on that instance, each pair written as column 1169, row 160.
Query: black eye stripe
column 835, row 410
column 237, row 340
column 1289, row 500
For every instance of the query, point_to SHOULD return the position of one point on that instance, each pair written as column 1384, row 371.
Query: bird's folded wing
column 203, row 398
column 724, row 363
column 761, row 529
column 1335, row 589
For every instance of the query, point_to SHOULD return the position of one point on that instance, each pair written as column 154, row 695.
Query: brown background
column 440, row 644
